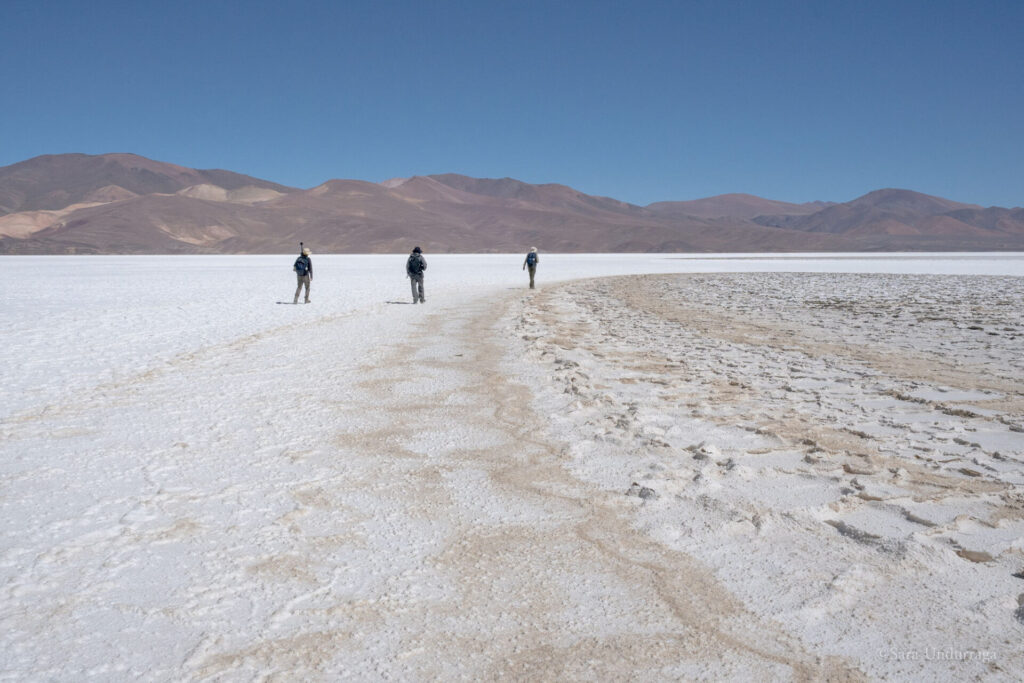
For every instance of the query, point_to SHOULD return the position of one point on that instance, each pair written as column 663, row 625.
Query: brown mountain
column 128, row 204
column 157, row 223
column 994, row 218
column 880, row 212
column 896, row 219
column 56, row 181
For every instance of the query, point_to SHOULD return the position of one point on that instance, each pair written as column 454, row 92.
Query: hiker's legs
column 422, row 295
column 303, row 280
column 533, row 271
column 412, row 283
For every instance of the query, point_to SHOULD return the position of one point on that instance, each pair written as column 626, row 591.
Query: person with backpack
column 531, row 262
column 414, row 268
column 304, row 270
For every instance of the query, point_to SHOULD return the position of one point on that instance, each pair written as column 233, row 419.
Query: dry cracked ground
column 748, row 477
column 845, row 453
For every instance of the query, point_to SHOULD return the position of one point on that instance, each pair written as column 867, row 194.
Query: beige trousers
column 303, row 280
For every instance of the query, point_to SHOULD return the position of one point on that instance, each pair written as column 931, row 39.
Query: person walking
column 531, row 262
column 414, row 268
column 304, row 270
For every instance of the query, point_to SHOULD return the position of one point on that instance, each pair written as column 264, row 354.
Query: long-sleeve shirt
column 309, row 266
column 408, row 264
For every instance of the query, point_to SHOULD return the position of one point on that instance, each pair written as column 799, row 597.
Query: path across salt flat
column 376, row 489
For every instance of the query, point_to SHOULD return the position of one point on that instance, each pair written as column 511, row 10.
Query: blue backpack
column 531, row 258
column 301, row 265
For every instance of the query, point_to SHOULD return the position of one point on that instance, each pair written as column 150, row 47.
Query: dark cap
column 417, row 250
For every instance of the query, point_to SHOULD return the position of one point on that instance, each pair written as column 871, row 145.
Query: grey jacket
column 408, row 265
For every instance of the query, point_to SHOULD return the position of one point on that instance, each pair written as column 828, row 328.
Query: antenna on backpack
column 300, row 248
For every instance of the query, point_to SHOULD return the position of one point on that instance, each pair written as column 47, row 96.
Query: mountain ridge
column 125, row 203
column 55, row 181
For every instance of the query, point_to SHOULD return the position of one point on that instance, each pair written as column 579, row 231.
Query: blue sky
column 642, row 101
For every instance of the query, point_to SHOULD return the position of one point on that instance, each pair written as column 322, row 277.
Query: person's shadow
column 403, row 303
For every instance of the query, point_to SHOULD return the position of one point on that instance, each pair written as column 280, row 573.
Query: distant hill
column 60, row 180
column 122, row 203
column 880, row 212
column 896, row 219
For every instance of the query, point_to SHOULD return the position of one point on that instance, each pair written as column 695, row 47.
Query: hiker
column 414, row 268
column 304, row 270
column 531, row 262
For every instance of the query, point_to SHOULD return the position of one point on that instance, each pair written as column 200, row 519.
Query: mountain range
column 124, row 203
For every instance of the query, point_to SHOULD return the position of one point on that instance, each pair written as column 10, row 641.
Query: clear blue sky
column 642, row 101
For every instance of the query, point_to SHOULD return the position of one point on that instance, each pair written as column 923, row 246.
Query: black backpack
column 301, row 265
column 416, row 264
